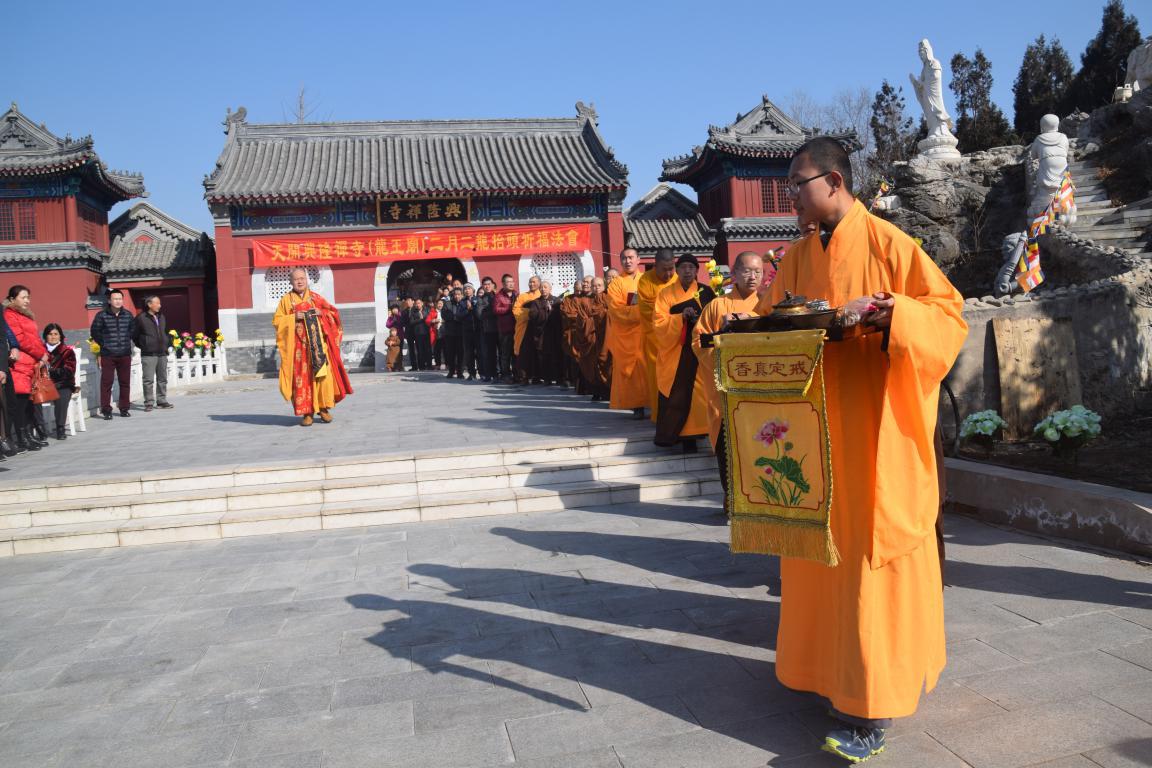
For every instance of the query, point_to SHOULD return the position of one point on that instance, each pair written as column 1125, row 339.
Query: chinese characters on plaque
column 397, row 211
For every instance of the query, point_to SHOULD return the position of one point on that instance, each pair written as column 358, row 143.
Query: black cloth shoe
column 147, row 409
column 125, row 414
column 165, row 406
column 7, row 448
column 37, row 437
column 106, row 415
column 61, row 434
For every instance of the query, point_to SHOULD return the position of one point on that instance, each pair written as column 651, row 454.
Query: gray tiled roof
column 170, row 258
column 148, row 243
column 763, row 132
column 663, row 202
column 309, row 161
column 759, row 228
column 51, row 256
column 678, row 234
column 27, row 149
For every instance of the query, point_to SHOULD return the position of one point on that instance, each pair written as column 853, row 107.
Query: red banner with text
column 419, row 243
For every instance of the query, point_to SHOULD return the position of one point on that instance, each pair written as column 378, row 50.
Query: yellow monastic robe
column 626, row 344
column 711, row 320
column 668, row 338
column 648, row 287
column 521, row 316
column 868, row 634
column 284, row 321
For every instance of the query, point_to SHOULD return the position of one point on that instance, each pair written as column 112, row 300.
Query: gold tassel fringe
column 771, row 537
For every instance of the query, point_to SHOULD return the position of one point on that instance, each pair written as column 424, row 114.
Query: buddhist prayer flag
column 1028, row 272
column 418, row 243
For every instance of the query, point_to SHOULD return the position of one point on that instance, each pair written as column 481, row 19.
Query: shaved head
column 827, row 155
column 665, row 256
column 746, row 259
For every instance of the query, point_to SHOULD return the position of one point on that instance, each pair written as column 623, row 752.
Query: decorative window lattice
column 92, row 223
column 560, row 269
column 278, row 281
column 774, row 196
column 17, row 221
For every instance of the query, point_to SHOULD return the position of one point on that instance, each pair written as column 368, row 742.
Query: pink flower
column 189, row 344
column 772, row 431
column 768, row 471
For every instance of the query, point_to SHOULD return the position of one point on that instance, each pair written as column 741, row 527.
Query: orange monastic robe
column 307, row 391
column 668, row 338
column 711, row 319
column 626, row 344
column 521, row 316
column 868, row 634
column 648, row 287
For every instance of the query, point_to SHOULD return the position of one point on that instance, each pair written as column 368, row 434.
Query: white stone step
column 396, row 485
column 309, row 517
column 373, row 490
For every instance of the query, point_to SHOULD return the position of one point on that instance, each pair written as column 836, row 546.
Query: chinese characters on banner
column 393, row 211
column 775, row 369
column 417, row 244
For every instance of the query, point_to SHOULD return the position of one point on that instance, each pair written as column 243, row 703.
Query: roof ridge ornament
column 587, row 111
column 234, row 118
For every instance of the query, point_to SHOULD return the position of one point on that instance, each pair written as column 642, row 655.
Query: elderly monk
column 543, row 347
column 648, row 287
column 521, row 315
column 308, row 333
column 625, row 340
column 868, row 634
column 571, row 324
column 591, row 351
column 683, row 413
column 747, row 274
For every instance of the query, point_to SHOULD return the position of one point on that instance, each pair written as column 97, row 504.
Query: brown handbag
column 43, row 390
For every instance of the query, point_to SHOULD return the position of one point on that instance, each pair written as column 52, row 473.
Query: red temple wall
column 58, row 295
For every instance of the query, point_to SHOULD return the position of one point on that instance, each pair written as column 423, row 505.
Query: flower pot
column 984, row 442
column 1067, row 447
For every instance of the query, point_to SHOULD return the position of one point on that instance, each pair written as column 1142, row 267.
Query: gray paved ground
column 247, row 421
column 614, row 636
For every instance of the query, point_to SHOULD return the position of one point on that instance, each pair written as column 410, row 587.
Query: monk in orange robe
column 625, row 340
column 747, row 274
column 683, row 414
column 868, row 634
column 308, row 333
column 521, row 314
column 648, row 287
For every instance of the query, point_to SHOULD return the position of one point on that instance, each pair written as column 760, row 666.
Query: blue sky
column 151, row 83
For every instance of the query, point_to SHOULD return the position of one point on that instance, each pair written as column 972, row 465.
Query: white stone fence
column 186, row 371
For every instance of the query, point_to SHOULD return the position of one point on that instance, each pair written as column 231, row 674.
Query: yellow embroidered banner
column 776, row 435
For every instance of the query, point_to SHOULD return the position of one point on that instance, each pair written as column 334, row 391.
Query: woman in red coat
column 29, row 353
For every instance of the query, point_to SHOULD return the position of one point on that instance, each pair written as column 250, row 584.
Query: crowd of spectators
column 31, row 356
column 496, row 334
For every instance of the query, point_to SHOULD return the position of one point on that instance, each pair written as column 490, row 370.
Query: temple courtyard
column 618, row 633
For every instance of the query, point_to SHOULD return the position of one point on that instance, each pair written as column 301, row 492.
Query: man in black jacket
column 151, row 335
column 451, row 330
column 112, row 330
column 419, row 343
column 469, row 331
column 489, row 339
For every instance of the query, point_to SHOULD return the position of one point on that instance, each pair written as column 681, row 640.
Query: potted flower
column 1067, row 431
column 983, row 428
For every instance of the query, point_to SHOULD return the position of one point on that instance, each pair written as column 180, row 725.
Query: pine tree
column 893, row 136
column 979, row 123
column 1104, row 61
column 1041, row 85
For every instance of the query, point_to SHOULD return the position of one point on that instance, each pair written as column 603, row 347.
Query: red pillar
column 70, row 216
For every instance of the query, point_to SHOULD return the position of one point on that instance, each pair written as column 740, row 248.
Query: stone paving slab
column 247, row 422
column 623, row 636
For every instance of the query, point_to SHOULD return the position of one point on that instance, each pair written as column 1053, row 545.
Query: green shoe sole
column 833, row 746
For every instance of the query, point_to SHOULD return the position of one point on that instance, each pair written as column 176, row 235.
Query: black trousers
column 13, row 412
column 469, row 343
column 507, row 341
column 453, row 352
column 423, row 350
column 61, row 406
column 488, row 354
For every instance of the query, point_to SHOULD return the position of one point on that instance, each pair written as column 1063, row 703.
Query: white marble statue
column 1139, row 74
column 929, row 89
column 1047, row 162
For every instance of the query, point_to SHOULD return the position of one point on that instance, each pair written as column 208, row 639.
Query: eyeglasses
column 793, row 187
